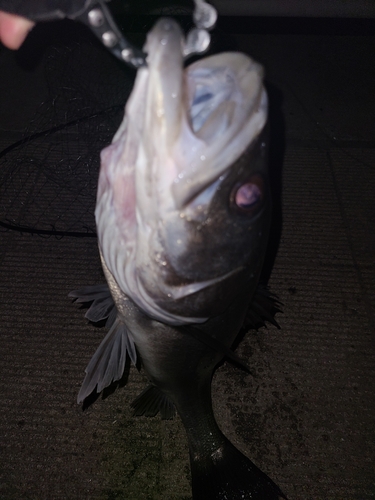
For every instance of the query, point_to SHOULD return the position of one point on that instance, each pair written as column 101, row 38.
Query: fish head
column 183, row 204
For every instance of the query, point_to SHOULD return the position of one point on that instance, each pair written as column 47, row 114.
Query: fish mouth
column 164, row 96
column 203, row 117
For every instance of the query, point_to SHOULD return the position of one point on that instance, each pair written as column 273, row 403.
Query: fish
column 183, row 214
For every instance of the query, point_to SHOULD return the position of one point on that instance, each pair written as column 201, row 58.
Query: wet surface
column 306, row 414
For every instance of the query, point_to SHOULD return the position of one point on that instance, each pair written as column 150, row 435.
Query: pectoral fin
column 101, row 298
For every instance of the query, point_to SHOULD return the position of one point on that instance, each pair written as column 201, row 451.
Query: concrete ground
column 306, row 415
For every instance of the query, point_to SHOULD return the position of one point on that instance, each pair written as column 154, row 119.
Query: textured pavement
column 306, row 415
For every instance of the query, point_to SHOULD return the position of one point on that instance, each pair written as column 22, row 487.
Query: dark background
column 306, row 414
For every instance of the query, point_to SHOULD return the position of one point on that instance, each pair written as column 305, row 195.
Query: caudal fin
column 228, row 475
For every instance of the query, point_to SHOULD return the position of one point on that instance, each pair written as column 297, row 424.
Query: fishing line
column 48, row 177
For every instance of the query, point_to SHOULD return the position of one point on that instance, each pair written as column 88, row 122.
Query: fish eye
column 248, row 196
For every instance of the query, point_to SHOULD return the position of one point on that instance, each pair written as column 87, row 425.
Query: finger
column 13, row 29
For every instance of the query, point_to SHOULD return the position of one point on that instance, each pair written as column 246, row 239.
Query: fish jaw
column 164, row 99
column 166, row 164
column 239, row 102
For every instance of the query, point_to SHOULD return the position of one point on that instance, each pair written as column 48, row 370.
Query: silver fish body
column 183, row 214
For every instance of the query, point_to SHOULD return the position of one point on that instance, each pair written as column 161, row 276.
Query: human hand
column 13, row 29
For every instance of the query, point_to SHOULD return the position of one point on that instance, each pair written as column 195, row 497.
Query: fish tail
column 228, row 474
column 219, row 471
